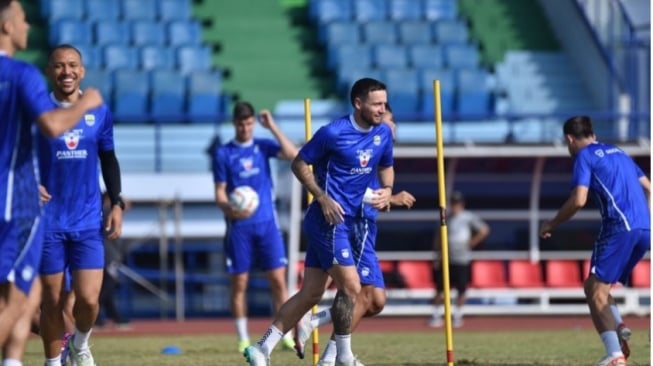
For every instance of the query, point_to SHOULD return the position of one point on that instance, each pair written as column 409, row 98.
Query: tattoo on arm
column 342, row 312
column 303, row 172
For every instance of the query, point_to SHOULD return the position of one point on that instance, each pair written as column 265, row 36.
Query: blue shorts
column 614, row 257
column 328, row 244
column 74, row 250
column 369, row 270
column 21, row 245
column 257, row 244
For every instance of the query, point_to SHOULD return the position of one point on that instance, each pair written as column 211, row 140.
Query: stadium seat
column 157, row 58
column 192, row 58
column 148, row 33
column 412, row 32
column 184, row 33
column 416, row 274
column 343, row 54
column 339, row 33
column 447, row 92
column 425, row 57
column 445, row 76
column 130, row 95
column 448, row 32
column 370, row 10
column 405, row 105
column 473, row 93
column 347, row 75
column 71, row 32
column 401, row 80
column 461, row 56
column 440, row 9
column 641, row 276
column 325, row 11
column 139, row 9
column 167, row 95
column 488, row 274
column 100, row 79
column 170, row 10
column 55, row 10
column 204, row 96
column 97, row 10
column 390, row 56
column 120, row 57
column 405, row 9
column 91, row 56
column 524, row 274
column 110, row 32
column 563, row 273
column 379, row 32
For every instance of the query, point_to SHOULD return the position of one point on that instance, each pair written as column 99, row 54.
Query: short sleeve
column 33, row 92
column 317, row 146
column 105, row 138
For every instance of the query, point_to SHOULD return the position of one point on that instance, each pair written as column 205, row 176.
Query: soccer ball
column 244, row 198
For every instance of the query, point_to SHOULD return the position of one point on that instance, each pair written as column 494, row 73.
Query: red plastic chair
column 641, row 276
column 563, row 273
column 524, row 274
column 416, row 274
column 488, row 274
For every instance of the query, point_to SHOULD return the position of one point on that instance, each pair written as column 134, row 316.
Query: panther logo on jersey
column 247, row 163
column 364, row 156
column 71, row 138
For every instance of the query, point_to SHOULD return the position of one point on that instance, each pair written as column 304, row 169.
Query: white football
column 244, row 198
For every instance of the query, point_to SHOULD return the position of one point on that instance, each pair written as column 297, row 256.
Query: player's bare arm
column 574, row 203
column 402, row 199
column 55, row 122
column 227, row 208
column 288, row 149
column 646, row 185
column 386, row 181
column 480, row 235
column 44, row 195
column 333, row 212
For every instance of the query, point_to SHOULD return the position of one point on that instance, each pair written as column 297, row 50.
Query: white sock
column 457, row 312
column 80, row 340
column 330, row 351
column 53, row 361
column 611, row 343
column 437, row 311
column 615, row 313
column 241, row 328
column 13, row 362
column 270, row 339
column 321, row 318
column 343, row 347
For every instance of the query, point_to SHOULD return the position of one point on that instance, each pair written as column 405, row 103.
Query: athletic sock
column 80, row 340
column 13, row 362
column 615, row 313
column 343, row 347
column 241, row 329
column 270, row 339
column 56, row 361
column 611, row 343
column 330, row 351
column 321, row 318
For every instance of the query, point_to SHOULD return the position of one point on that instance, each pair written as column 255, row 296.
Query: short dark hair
column 4, row 6
column 243, row 110
column 578, row 127
column 65, row 46
column 362, row 88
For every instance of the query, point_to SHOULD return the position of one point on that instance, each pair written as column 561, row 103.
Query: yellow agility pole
column 444, row 242
column 307, row 136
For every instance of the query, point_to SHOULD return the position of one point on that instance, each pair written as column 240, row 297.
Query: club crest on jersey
column 599, row 153
column 89, row 119
column 248, row 167
column 377, row 140
column 247, row 163
column 71, row 138
column 344, row 253
column 364, row 156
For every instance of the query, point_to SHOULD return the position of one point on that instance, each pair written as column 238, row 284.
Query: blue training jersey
column 71, row 173
column 248, row 164
column 613, row 180
column 345, row 159
column 23, row 98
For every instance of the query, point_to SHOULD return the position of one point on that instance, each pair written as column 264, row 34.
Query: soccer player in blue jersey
column 622, row 193
column 23, row 102
column 74, row 231
column 345, row 155
column 253, row 238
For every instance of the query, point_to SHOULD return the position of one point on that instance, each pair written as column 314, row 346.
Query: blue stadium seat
column 405, row 9
column 370, row 10
column 204, row 96
column 404, row 105
column 473, row 93
column 97, row 10
column 426, row 56
column 110, row 32
column 130, row 95
column 325, row 11
column 379, row 32
column 170, row 10
column 339, row 33
column 459, row 56
column 447, row 91
column 401, row 81
column 70, row 31
column 91, row 56
column 55, row 10
column 440, row 9
column 157, row 58
column 120, row 57
column 390, row 56
column 450, row 32
column 341, row 54
column 101, row 80
column 347, row 76
column 148, row 33
column 193, row 58
column 415, row 33
column 183, row 33
column 167, row 95
column 138, row 9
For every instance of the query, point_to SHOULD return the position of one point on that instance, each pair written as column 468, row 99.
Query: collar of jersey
column 3, row 53
column 243, row 144
column 356, row 126
column 60, row 104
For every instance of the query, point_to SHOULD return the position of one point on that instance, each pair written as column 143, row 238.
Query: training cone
column 170, row 350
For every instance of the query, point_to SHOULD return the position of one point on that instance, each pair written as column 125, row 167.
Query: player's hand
column 332, row 211
column 402, row 198
column 44, row 196
column 91, row 98
column 545, row 230
column 113, row 224
column 265, row 119
column 381, row 198
column 236, row 214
